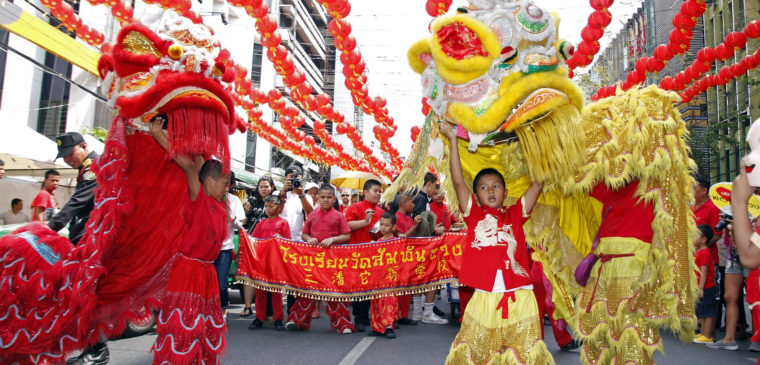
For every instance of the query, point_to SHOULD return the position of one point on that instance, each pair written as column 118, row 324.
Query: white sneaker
column 433, row 319
column 347, row 331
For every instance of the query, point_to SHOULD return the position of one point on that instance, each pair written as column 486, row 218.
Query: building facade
column 730, row 108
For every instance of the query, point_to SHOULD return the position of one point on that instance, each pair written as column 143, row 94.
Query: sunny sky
column 385, row 29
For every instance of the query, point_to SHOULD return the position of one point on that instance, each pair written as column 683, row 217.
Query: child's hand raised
column 448, row 130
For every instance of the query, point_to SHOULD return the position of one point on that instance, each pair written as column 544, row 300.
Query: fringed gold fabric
column 554, row 146
column 487, row 338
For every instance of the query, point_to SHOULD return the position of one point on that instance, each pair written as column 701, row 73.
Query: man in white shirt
column 14, row 215
column 297, row 204
column 236, row 219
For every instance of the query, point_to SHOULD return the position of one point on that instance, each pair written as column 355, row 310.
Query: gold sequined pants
column 487, row 338
column 622, row 324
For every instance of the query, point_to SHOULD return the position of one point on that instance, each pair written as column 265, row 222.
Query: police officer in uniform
column 73, row 149
column 76, row 213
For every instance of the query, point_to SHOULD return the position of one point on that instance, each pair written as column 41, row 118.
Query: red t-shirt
column 623, row 204
column 403, row 222
column 321, row 225
column 709, row 214
column 207, row 228
column 497, row 242
column 442, row 214
column 356, row 212
column 44, row 199
column 703, row 257
column 271, row 226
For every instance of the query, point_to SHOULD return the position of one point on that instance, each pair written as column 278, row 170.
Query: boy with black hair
column 45, row 201
column 495, row 263
column 325, row 227
column 363, row 217
column 707, row 309
column 190, row 329
column 272, row 226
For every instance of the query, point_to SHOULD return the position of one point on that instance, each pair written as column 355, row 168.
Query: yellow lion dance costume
column 617, row 169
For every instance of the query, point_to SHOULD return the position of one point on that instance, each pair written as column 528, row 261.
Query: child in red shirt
column 191, row 326
column 363, row 217
column 406, row 226
column 325, row 226
column 384, row 311
column 272, row 226
column 707, row 310
column 495, row 263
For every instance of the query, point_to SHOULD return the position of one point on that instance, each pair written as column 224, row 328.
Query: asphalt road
column 422, row 344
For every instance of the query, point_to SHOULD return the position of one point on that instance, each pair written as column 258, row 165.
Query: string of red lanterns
column 356, row 83
column 705, row 57
column 679, row 42
column 599, row 19
column 266, row 26
column 64, row 12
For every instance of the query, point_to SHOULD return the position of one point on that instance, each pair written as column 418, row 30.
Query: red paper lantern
column 706, row 54
column 274, row 94
column 415, row 131
column 662, row 53
column 725, row 72
column 601, row 4
column 591, row 34
column 736, row 40
column 635, row 77
column 654, row 65
column 752, row 30
column 348, row 44
column 738, row 70
column 266, row 24
column 339, row 28
column 683, row 22
column 600, row 19
column 724, row 52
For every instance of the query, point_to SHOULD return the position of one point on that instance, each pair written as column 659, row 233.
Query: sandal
column 246, row 312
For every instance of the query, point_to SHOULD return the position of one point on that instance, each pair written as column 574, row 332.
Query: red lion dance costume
column 56, row 298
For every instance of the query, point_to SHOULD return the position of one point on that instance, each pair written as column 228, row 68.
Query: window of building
column 250, row 151
column 258, row 55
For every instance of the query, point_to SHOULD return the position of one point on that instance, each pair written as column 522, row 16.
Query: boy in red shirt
column 363, row 217
column 325, row 226
column 406, row 226
column 273, row 225
column 45, row 199
column 495, row 263
column 707, row 310
column 190, row 330
column 385, row 310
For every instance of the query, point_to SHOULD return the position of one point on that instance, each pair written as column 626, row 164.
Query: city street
column 422, row 344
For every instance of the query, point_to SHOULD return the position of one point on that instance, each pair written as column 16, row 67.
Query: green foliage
column 591, row 81
column 99, row 133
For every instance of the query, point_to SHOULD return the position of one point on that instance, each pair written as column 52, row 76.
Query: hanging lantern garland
column 591, row 34
column 679, row 43
column 266, row 26
column 356, row 80
column 436, row 8
column 64, row 12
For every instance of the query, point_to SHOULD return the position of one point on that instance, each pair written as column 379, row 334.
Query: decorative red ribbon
column 351, row 272
column 504, row 303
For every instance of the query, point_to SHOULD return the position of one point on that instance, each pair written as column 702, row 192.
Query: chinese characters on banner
column 351, row 272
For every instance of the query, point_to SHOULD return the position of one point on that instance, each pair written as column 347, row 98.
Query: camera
column 724, row 221
column 296, row 182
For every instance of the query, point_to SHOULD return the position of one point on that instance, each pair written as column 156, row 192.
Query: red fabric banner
column 351, row 272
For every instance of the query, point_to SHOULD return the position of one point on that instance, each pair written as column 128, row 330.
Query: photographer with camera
column 297, row 204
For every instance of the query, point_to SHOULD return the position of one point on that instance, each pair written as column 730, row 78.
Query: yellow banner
column 17, row 21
